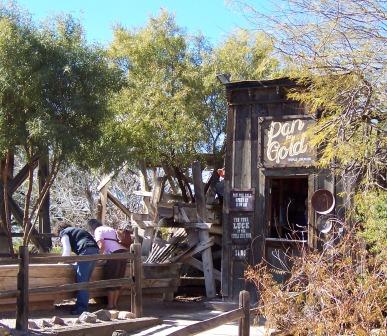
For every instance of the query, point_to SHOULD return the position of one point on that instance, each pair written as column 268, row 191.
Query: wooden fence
column 22, row 292
column 242, row 314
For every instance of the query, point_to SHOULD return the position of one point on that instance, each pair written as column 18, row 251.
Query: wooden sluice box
column 158, row 280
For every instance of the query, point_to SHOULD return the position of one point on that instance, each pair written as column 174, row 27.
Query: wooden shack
column 269, row 182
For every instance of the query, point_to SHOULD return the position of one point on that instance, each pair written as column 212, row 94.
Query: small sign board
column 284, row 142
column 239, row 252
column 240, row 227
column 242, row 199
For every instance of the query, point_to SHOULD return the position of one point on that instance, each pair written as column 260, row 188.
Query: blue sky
column 214, row 18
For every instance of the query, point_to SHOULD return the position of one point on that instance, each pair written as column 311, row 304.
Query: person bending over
column 80, row 242
column 107, row 241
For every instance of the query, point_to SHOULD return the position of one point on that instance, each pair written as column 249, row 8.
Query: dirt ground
column 174, row 315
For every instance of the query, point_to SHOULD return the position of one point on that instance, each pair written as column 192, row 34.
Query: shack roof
column 248, row 84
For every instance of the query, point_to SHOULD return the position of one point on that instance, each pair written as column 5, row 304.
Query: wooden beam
column 104, row 181
column 18, row 216
column 142, row 193
column 44, row 213
column 22, row 307
column 107, row 328
column 76, row 258
column 103, row 203
column 199, row 327
column 118, row 204
column 137, row 270
column 203, row 234
column 124, row 282
column 157, row 194
column 199, row 265
column 21, row 176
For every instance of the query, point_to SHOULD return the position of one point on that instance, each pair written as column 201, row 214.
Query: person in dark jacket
column 80, row 242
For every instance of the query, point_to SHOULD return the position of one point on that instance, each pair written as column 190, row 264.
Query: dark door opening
column 288, row 210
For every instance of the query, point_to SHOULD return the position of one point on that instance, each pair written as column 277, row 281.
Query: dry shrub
column 339, row 291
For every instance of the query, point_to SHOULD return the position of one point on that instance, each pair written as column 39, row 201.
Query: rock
column 58, row 320
column 122, row 315
column 114, row 314
column 87, row 317
column 77, row 321
column 119, row 333
column 103, row 315
column 4, row 330
column 45, row 324
column 33, row 325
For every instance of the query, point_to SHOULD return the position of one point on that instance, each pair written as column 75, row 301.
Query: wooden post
column 136, row 237
column 104, row 199
column 244, row 322
column 137, row 299
column 22, row 311
column 44, row 213
column 204, row 235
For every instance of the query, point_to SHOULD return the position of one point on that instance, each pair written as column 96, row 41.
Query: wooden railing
column 22, row 292
column 242, row 314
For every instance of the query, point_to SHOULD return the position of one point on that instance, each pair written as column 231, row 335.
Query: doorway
column 288, row 208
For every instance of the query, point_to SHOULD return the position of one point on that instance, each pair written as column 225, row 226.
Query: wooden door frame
column 284, row 173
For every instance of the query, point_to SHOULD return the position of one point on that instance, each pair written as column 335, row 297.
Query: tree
column 54, row 94
column 337, row 49
column 243, row 56
column 160, row 110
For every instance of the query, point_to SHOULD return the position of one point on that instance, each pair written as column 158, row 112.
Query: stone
column 45, row 324
column 58, row 320
column 4, row 330
column 103, row 315
column 122, row 315
column 87, row 317
column 33, row 325
column 114, row 314
column 77, row 321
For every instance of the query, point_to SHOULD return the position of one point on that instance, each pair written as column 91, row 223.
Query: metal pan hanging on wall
column 324, row 223
column 323, row 201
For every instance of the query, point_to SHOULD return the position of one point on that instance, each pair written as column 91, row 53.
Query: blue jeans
column 83, row 270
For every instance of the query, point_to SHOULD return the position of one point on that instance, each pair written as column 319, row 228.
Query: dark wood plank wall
column 247, row 102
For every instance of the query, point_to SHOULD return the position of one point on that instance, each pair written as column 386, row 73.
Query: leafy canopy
column 54, row 88
column 337, row 49
column 160, row 110
column 173, row 107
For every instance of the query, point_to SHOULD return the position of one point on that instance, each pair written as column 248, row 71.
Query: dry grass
column 339, row 291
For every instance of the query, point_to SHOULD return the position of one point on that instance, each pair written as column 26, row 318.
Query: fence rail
column 242, row 313
column 22, row 292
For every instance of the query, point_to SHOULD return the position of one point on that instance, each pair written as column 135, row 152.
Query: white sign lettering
column 284, row 141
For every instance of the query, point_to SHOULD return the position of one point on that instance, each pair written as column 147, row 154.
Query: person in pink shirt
column 106, row 238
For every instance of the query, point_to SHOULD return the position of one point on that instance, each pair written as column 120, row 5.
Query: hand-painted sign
column 240, row 252
column 240, row 229
column 242, row 200
column 285, row 144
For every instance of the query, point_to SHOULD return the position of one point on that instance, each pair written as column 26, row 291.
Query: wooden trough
column 158, row 280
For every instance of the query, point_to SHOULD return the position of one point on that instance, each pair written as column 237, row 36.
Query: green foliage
column 371, row 208
column 243, row 55
column 160, row 111
column 54, row 98
column 173, row 107
column 337, row 50
column 54, row 89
